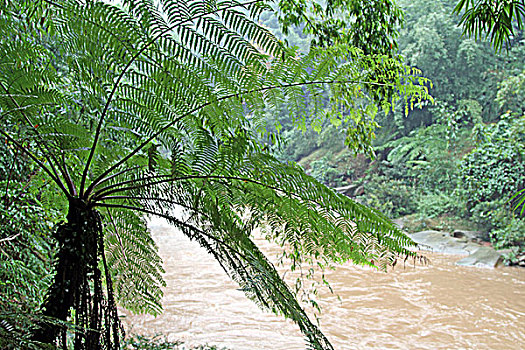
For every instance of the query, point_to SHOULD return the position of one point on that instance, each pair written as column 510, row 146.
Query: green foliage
column 494, row 18
column 138, row 342
column 393, row 197
column 326, row 173
column 496, row 167
column 439, row 204
column 491, row 173
column 422, row 153
column 460, row 67
column 127, row 261
column 511, row 94
column 368, row 25
column 144, row 108
column 510, row 235
column 26, row 252
column 297, row 144
column 518, row 201
column 425, row 156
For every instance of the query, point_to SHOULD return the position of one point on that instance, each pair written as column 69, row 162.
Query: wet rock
column 519, row 260
column 352, row 190
column 461, row 243
column 347, row 190
column 482, row 257
column 442, row 242
column 474, row 236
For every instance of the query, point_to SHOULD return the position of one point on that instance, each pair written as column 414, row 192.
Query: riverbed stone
column 400, row 223
column 443, row 242
column 347, row 190
column 482, row 257
column 521, row 260
column 459, row 244
column 475, row 236
column 359, row 191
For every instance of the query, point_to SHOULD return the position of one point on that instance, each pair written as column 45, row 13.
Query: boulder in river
column 443, row 242
column 348, row 190
column 474, row 236
column 483, row 257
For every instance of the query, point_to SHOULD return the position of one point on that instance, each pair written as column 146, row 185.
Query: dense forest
column 223, row 117
column 454, row 163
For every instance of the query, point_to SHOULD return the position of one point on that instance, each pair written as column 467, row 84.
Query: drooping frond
column 227, row 189
column 156, row 113
column 133, row 261
column 230, row 244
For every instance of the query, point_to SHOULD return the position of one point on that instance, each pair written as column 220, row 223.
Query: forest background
column 453, row 164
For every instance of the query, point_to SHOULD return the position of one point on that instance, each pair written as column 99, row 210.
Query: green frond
column 134, row 263
column 154, row 108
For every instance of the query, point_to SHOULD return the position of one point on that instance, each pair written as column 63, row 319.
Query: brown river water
column 434, row 306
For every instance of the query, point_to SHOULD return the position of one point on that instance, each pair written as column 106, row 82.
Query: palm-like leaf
column 519, row 201
column 496, row 18
column 150, row 108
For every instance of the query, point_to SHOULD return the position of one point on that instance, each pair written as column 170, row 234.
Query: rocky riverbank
column 479, row 253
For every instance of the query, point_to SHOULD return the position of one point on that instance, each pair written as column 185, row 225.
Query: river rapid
column 434, row 306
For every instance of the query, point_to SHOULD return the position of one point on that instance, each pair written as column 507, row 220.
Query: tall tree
column 139, row 108
column 501, row 20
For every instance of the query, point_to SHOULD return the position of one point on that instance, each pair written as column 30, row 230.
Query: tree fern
column 144, row 108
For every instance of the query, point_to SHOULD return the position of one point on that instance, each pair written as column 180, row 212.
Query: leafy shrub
column 26, row 249
column 495, row 168
column 298, row 144
column 424, row 156
column 491, row 173
column 326, row 172
column 513, row 234
column 392, row 197
column 489, row 215
column 25, row 264
column 437, row 204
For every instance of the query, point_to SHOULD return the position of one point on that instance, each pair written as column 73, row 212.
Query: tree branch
column 10, row 238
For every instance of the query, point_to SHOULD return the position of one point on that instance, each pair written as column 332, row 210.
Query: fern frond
column 149, row 107
column 134, row 263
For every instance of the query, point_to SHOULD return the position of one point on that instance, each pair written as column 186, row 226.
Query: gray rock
column 475, row 236
column 521, row 261
column 461, row 244
column 442, row 242
column 483, row 257
column 347, row 190
column 399, row 223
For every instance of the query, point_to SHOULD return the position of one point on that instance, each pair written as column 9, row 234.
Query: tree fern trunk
column 77, row 284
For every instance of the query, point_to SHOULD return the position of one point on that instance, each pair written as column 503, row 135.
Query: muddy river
column 435, row 306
